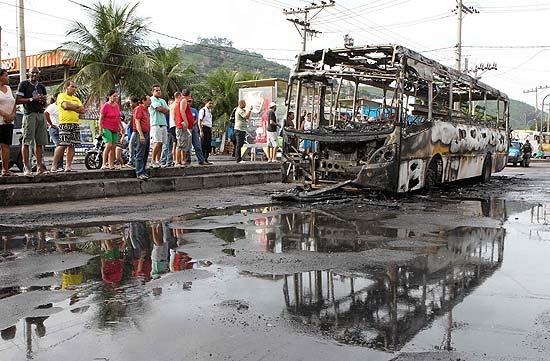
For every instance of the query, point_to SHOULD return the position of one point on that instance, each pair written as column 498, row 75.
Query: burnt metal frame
column 380, row 66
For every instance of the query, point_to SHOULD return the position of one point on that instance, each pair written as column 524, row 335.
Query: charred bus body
column 391, row 119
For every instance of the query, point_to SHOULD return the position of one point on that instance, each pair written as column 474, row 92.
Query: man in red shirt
column 184, row 122
column 142, row 125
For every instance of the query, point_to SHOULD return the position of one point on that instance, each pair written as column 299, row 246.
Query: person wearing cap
column 32, row 94
column 272, row 133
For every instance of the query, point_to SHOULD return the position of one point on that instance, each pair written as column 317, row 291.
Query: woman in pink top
column 110, row 127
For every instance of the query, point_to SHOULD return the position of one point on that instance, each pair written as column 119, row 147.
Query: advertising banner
column 259, row 98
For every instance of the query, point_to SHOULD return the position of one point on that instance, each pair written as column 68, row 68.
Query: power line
column 305, row 23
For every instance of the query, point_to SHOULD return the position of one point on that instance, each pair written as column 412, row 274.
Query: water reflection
column 380, row 307
column 111, row 265
column 385, row 307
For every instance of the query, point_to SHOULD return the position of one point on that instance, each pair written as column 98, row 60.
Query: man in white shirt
column 51, row 114
column 205, row 127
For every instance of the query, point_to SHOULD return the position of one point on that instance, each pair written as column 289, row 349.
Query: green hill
column 214, row 53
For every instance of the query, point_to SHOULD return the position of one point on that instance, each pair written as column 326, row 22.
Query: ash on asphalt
column 454, row 274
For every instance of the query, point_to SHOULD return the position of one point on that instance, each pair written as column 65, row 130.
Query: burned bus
column 388, row 118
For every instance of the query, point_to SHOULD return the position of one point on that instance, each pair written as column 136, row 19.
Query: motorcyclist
column 527, row 150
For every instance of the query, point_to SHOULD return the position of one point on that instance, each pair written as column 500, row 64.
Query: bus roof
column 385, row 60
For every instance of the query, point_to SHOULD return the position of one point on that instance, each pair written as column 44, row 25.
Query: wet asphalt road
column 461, row 274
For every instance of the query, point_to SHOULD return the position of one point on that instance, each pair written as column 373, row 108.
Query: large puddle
column 472, row 283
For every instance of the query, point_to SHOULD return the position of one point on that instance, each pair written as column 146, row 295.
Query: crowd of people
column 166, row 130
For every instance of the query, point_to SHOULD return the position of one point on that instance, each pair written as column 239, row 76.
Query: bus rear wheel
column 486, row 172
column 433, row 175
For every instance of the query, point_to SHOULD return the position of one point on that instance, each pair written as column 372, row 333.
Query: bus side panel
column 415, row 154
column 462, row 148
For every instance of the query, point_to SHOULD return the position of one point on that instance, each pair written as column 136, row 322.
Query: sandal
column 28, row 173
column 8, row 174
column 42, row 172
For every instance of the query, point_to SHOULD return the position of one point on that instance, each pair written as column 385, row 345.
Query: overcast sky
column 513, row 33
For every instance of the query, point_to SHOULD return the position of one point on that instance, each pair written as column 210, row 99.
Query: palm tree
column 225, row 92
column 169, row 71
column 111, row 52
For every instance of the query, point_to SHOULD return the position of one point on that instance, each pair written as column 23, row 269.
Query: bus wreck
column 388, row 118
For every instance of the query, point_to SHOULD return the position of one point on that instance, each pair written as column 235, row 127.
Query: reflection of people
column 71, row 277
column 159, row 254
column 9, row 333
column 111, row 262
column 180, row 261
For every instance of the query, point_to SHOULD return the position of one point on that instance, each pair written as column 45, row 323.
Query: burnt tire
column 487, row 168
column 93, row 160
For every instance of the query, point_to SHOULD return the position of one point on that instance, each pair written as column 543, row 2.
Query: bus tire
column 433, row 174
column 486, row 172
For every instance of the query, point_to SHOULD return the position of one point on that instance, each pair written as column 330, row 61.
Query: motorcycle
column 526, row 159
column 94, row 156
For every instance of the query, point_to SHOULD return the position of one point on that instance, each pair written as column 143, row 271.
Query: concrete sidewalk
column 98, row 184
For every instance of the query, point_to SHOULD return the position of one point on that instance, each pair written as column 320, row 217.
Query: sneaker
column 155, row 165
column 209, row 163
column 163, row 165
column 241, row 161
column 142, row 177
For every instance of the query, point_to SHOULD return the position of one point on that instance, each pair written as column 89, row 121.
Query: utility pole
column 536, row 91
column 460, row 10
column 22, row 51
column 305, row 24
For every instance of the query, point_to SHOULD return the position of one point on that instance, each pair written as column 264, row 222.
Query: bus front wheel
column 486, row 172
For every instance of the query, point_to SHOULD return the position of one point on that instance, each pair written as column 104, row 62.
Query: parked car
column 515, row 155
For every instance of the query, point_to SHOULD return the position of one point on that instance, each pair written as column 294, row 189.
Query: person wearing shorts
column 159, row 127
column 69, row 131
column 272, row 133
column 183, row 135
column 7, row 115
column 110, row 127
column 32, row 94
